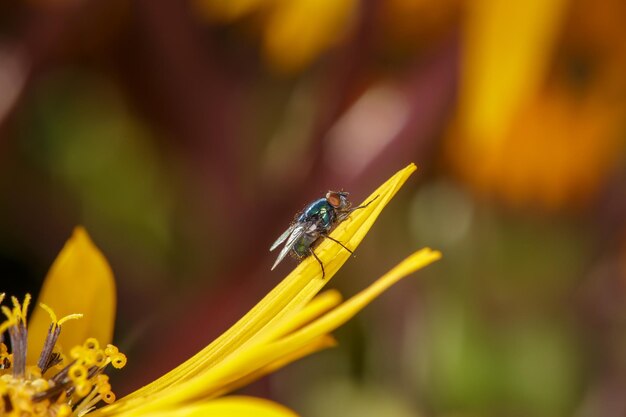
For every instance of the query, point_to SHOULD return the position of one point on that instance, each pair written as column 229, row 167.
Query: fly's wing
column 296, row 231
column 282, row 237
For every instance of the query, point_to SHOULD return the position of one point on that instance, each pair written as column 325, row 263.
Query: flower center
column 58, row 385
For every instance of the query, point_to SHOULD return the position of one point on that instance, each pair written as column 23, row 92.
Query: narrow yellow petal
column 324, row 325
column 349, row 308
column 315, row 345
column 235, row 406
column 225, row 380
column 80, row 281
column 290, row 295
column 318, row 306
column 252, row 360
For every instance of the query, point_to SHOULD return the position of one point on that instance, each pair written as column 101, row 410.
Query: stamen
column 46, row 353
column 46, row 359
column 118, row 361
column 69, row 317
column 7, row 312
column 51, row 313
column 16, row 304
column 25, row 305
column 19, row 341
column 6, row 324
column 71, row 390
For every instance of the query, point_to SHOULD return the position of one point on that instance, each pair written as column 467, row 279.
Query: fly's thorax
column 320, row 212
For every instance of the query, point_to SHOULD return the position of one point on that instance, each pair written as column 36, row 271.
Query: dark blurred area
column 185, row 135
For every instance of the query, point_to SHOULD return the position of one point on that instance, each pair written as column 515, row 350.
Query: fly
column 314, row 223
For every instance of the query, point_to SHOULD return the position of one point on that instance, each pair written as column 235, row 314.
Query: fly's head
column 338, row 200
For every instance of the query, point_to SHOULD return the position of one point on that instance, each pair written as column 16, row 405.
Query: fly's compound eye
column 334, row 199
column 338, row 199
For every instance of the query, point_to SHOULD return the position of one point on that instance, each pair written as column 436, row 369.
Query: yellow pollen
column 110, row 350
column 91, row 344
column 20, row 311
column 83, row 388
column 118, row 360
column 64, row 410
column 77, row 373
column 53, row 387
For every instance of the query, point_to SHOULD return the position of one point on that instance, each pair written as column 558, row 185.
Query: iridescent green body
column 321, row 212
column 314, row 223
column 321, row 215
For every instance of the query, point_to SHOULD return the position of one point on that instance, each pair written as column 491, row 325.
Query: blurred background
column 185, row 135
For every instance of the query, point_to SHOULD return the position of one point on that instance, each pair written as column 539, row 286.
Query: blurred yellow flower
column 295, row 32
column 292, row 321
column 542, row 99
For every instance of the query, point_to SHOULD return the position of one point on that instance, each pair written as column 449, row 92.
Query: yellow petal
column 351, row 307
column 324, row 325
column 79, row 281
column 272, row 352
column 315, row 345
column 506, row 50
column 250, row 361
column 318, row 306
column 289, row 296
column 235, row 406
column 283, row 303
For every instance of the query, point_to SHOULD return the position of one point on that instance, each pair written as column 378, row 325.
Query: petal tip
column 409, row 169
column 80, row 236
column 434, row 253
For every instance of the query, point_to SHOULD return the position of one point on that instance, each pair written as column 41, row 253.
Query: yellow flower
column 295, row 32
column 290, row 322
column 39, row 377
column 541, row 104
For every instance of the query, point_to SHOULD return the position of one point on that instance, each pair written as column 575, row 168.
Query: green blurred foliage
column 78, row 128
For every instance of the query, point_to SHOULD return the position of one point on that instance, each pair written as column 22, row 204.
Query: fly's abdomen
column 301, row 248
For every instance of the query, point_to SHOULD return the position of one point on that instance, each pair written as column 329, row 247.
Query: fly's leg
column 344, row 216
column 341, row 244
column 347, row 213
column 364, row 205
column 318, row 261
